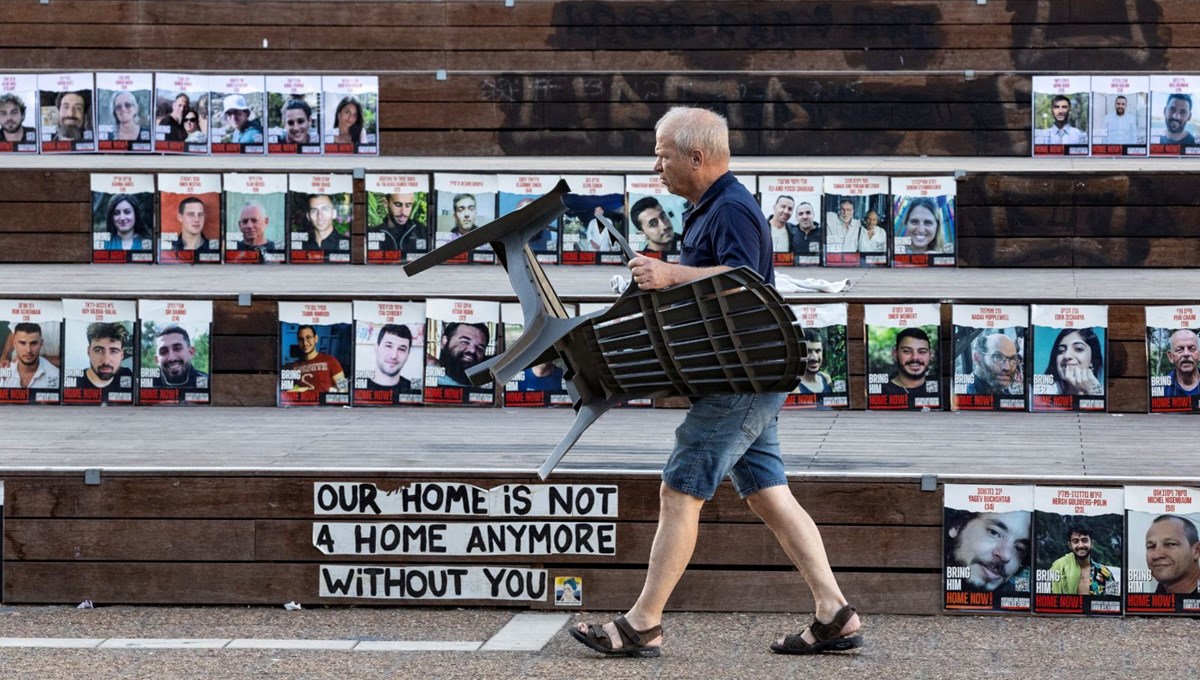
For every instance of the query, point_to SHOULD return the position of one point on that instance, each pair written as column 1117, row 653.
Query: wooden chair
column 721, row 334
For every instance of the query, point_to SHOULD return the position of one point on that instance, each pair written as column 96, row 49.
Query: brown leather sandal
column 633, row 642
column 826, row 636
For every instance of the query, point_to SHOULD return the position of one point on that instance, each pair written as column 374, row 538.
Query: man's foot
column 620, row 638
column 838, row 635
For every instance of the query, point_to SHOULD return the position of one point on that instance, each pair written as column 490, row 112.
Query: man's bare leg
column 801, row 540
column 678, row 522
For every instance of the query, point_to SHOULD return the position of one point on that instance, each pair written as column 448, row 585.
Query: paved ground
column 698, row 646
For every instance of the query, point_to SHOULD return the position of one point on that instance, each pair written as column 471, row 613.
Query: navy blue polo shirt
column 727, row 227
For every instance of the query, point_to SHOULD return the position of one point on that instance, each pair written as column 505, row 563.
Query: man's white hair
column 690, row 128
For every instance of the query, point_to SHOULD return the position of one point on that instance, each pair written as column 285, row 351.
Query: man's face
column 1177, row 115
column 1081, row 545
column 179, row 107
column 308, row 341
column 297, row 124
column 994, row 546
column 191, row 218
column 783, row 210
column 320, row 212
column 816, row 356
column 912, row 357
column 804, row 216
column 28, row 347
column 673, row 166
column 1061, row 110
column 871, row 220
column 401, row 207
column 125, row 107
column 656, row 225
column 237, row 118
column 846, row 212
column 1119, row 106
column 1169, row 556
column 466, row 346
column 391, row 353
column 10, row 117
column 1184, row 352
column 253, row 224
column 71, row 111
column 464, row 214
column 105, row 355
column 999, row 366
column 174, row 356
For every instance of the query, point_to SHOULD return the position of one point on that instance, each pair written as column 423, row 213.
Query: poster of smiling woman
column 925, row 229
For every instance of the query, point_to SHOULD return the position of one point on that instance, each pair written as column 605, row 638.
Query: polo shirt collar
column 712, row 192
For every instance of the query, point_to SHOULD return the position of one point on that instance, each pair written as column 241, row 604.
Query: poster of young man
column 1120, row 111
column 518, row 191
column 98, row 351
column 176, row 352
column 1173, row 354
column 389, row 353
column 316, row 346
column 465, row 203
column 351, row 115
column 856, row 219
column 122, row 218
column 397, row 218
column 924, row 230
column 459, row 334
column 595, row 203
column 189, row 218
column 255, row 218
column 31, row 359
column 1069, row 354
column 792, row 206
column 590, row 307
column 181, row 104
column 237, row 112
column 655, row 218
column 18, row 113
column 124, row 112
column 541, row 385
column 903, row 361
column 1060, row 115
column 320, row 216
column 825, row 382
column 989, row 357
column 68, row 115
column 1078, row 553
column 1163, row 539
column 294, row 114
column 1172, row 130
column 986, row 547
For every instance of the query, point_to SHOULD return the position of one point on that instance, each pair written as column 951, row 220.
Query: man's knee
column 670, row 498
column 771, row 501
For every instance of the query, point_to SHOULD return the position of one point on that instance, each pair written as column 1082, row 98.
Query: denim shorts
column 729, row 434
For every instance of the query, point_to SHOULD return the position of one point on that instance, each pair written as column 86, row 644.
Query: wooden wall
column 228, row 539
column 585, row 77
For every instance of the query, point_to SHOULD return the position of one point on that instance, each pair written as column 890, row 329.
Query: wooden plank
column 130, row 540
column 1136, row 252
column 243, row 353
column 604, row 589
column 35, row 248
column 64, row 185
column 41, row 216
column 764, row 591
column 1015, row 252
column 244, row 390
column 259, row 318
column 240, row 497
column 893, row 547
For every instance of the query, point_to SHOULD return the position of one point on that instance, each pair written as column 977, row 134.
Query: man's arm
column 652, row 274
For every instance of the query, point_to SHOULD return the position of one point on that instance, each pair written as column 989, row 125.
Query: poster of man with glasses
column 989, row 357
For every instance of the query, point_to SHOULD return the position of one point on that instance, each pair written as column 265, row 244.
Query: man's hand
column 652, row 274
